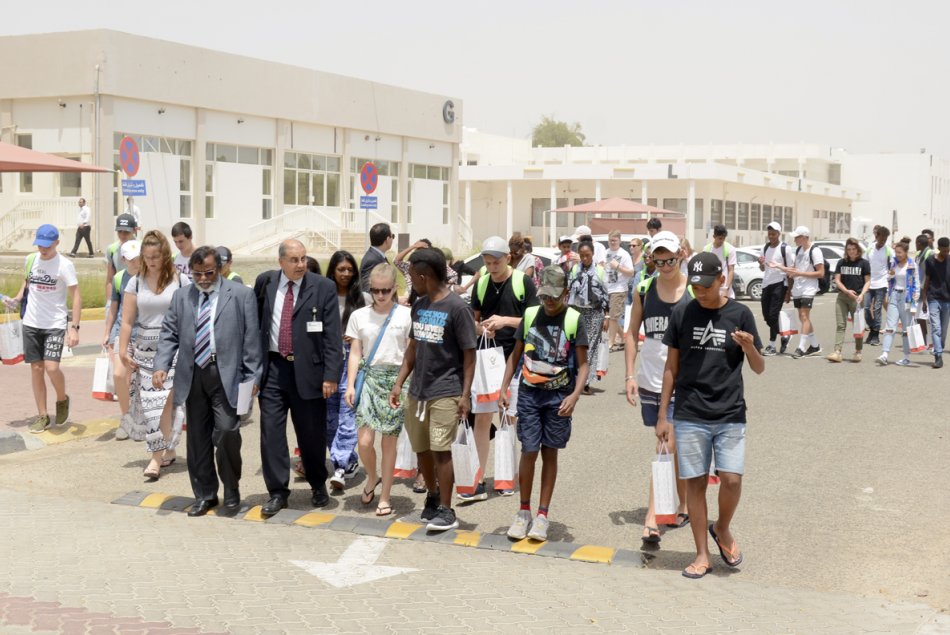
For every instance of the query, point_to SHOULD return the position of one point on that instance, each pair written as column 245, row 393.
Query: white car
column 747, row 268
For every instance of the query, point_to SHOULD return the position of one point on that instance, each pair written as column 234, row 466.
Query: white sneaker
column 122, row 432
column 539, row 528
column 337, row 480
column 519, row 528
column 882, row 360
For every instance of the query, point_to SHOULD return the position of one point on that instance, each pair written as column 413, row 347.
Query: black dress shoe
column 200, row 508
column 273, row 505
column 232, row 500
column 320, row 497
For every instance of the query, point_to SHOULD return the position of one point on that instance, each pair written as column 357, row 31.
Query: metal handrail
column 293, row 223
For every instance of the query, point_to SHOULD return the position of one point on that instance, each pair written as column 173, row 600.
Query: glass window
column 26, row 178
column 267, row 209
column 70, row 183
column 290, row 159
column 715, row 210
column 418, row 171
column 743, row 216
column 209, row 152
column 184, row 178
column 185, row 206
column 730, row 221
column 394, row 216
column 150, row 144
column 167, row 146
column 303, row 161
column 333, row 164
column 116, row 139
column 699, row 221
column 267, row 156
column 767, row 215
column 756, row 218
column 290, row 187
column 303, row 188
column 787, row 221
column 744, row 258
column 266, row 182
column 318, row 162
column 248, row 155
column 434, row 173
column 225, row 154
column 333, row 190
column 184, row 149
column 318, row 184
column 209, row 178
column 209, row 207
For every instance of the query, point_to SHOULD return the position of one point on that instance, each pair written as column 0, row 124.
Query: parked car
column 748, row 272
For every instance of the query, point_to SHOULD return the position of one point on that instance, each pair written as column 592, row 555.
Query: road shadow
column 628, row 516
column 667, row 560
column 21, row 423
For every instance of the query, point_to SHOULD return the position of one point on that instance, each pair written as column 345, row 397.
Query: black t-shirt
column 501, row 300
column 442, row 330
column 939, row 274
column 709, row 385
column 852, row 273
column 550, row 359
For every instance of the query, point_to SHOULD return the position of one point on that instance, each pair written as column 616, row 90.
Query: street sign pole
column 369, row 179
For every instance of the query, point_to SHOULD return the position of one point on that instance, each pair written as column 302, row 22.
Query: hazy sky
column 868, row 76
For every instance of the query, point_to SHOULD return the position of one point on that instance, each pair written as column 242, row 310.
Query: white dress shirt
column 84, row 215
column 279, row 308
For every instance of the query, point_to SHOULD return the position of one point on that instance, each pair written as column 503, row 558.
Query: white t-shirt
column 806, row 287
column 878, row 259
column 48, row 282
column 600, row 253
column 181, row 263
column 364, row 325
column 726, row 262
column 774, row 275
column 616, row 280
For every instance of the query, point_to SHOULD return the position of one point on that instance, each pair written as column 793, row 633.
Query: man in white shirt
column 808, row 270
column 775, row 254
column 727, row 256
column 581, row 234
column 133, row 209
column 619, row 267
column 181, row 234
column 50, row 277
column 880, row 256
column 83, row 228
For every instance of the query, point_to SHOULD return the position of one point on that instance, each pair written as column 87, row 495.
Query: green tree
column 551, row 133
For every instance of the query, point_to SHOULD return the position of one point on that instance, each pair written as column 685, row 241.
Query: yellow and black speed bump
column 401, row 529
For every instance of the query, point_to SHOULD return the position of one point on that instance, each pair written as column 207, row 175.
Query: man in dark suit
column 380, row 240
column 302, row 334
column 212, row 327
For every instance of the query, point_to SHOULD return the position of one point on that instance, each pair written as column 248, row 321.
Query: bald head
column 292, row 256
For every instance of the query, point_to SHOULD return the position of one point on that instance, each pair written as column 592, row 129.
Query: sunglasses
column 202, row 274
column 383, row 291
column 669, row 262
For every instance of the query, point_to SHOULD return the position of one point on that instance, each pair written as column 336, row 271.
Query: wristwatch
column 74, row 326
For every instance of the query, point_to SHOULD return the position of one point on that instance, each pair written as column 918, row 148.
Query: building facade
column 246, row 151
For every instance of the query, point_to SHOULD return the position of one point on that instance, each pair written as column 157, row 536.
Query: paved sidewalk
column 108, row 565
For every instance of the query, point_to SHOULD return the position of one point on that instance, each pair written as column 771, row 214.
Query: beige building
column 246, row 151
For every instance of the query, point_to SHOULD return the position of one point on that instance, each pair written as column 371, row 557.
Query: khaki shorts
column 617, row 304
column 432, row 425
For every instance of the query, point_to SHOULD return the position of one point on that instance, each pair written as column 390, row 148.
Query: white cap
column 582, row 230
column 495, row 246
column 801, row 230
column 565, row 239
column 774, row 225
column 130, row 249
column 666, row 240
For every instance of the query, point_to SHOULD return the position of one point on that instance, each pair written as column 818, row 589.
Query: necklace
column 498, row 287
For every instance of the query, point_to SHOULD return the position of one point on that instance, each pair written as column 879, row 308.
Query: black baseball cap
column 125, row 223
column 704, row 268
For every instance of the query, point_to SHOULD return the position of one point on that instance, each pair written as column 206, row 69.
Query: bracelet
column 629, row 377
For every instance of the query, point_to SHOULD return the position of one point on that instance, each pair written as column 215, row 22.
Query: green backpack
column 571, row 319
column 517, row 284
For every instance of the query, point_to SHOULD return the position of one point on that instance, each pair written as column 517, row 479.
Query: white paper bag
column 11, row 342
column 787, row 322
column 245, row 397
column 664, row 488
column 103, row 387
column 506, row 459
column 489, row 371
column 468, row 472
column 857, row 326
column 603, row 356
column 915, row 335
column 406, row 461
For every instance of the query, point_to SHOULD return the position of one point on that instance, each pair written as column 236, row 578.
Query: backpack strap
column 530, row 313
column 517, row 284
column 111, row 249
column 117, row 281
column 29, row 264
column 572, row 318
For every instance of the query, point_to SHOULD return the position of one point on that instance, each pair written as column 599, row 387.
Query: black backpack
column 824, row 282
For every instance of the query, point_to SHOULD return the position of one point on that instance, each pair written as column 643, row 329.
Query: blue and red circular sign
column 129, row 156
column 369, row 178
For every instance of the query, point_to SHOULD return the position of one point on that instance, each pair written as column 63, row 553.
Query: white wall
column 303, row 137
column 161, row 205
column 142, row 117
column 237, row 203
column 427, row 212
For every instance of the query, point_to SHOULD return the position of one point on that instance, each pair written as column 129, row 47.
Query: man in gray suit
column 212, row 326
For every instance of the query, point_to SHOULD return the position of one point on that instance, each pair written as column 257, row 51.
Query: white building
column 506, row 185
column 244, row 150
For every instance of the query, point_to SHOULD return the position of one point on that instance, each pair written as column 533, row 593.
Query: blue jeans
column 939, row 319
column 341, row 423
column 874, row 300
column 897, row 309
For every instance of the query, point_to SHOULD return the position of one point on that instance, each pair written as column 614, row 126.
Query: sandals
column 384, row 509
column 419, row 486
column 683, row 521
column 152, row 474
column 369, row 495
column 168, row 462
column 698, row 571
column 652, row 537
column 728, row 555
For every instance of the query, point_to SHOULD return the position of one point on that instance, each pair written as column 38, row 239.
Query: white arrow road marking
column 356, row 566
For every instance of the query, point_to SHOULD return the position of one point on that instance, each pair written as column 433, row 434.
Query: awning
column 16, row 159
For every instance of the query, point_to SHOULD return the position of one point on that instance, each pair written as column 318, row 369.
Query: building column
column 281, row 145
column 597, row 196
column 690, row 211
column 643, row 193
column 7, row 131
column 199, row 158
column 552, row 218
column 103, row 210
column 468, row 206
column 509, row 210
column 456, row 243
column 404, row 187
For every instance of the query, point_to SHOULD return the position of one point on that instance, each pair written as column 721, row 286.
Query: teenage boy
column 924, row 251
column 708, row 340
column 726, row 253
column 936, row 295
column 881, row 257
column 774, row 282
column 181, row 234
column 552, row 345
column 568, row 257
column 50, row 278
column 619, row 267
column 131, row 265
column 499, row 302
column 654, row 226
column 441, row 359
column 125, row 226
column 808, row 270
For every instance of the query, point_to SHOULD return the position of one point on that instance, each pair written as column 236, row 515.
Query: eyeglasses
column 382, row 291
column 549, row 298
column 203, row 274
column 669, row 262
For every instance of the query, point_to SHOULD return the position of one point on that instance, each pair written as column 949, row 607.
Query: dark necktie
column 203, row 332
column 285, row 340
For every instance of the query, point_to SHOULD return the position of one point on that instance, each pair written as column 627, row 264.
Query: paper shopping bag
column 102, row 382
column 489, row 371
column 787, row 323
column 406, row 461
column 468, row 473
column 642, row 335
column 11, row 342
column 858, row 323
column 603, row 357
column 664, row 488
column 506, row 458
column 915, row 335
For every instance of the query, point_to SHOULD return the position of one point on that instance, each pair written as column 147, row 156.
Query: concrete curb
column 398, row 529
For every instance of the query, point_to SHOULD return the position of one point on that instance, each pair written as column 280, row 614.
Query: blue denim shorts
column 697, row 442
column 539, row 424
column 650, row 407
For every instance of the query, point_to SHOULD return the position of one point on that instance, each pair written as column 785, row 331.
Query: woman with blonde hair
column 147, row 298
column 379, row 336
column 685, row 253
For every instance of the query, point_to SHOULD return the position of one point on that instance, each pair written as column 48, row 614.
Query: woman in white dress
column 146, row 300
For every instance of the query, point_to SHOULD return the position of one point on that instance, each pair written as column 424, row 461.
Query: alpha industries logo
column 703, row 335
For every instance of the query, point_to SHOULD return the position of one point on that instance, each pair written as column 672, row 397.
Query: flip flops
column 370, row 495
column 384, row 510
column 683, row 521
column 696, row 575
column 736, row 560
column 653, row 537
